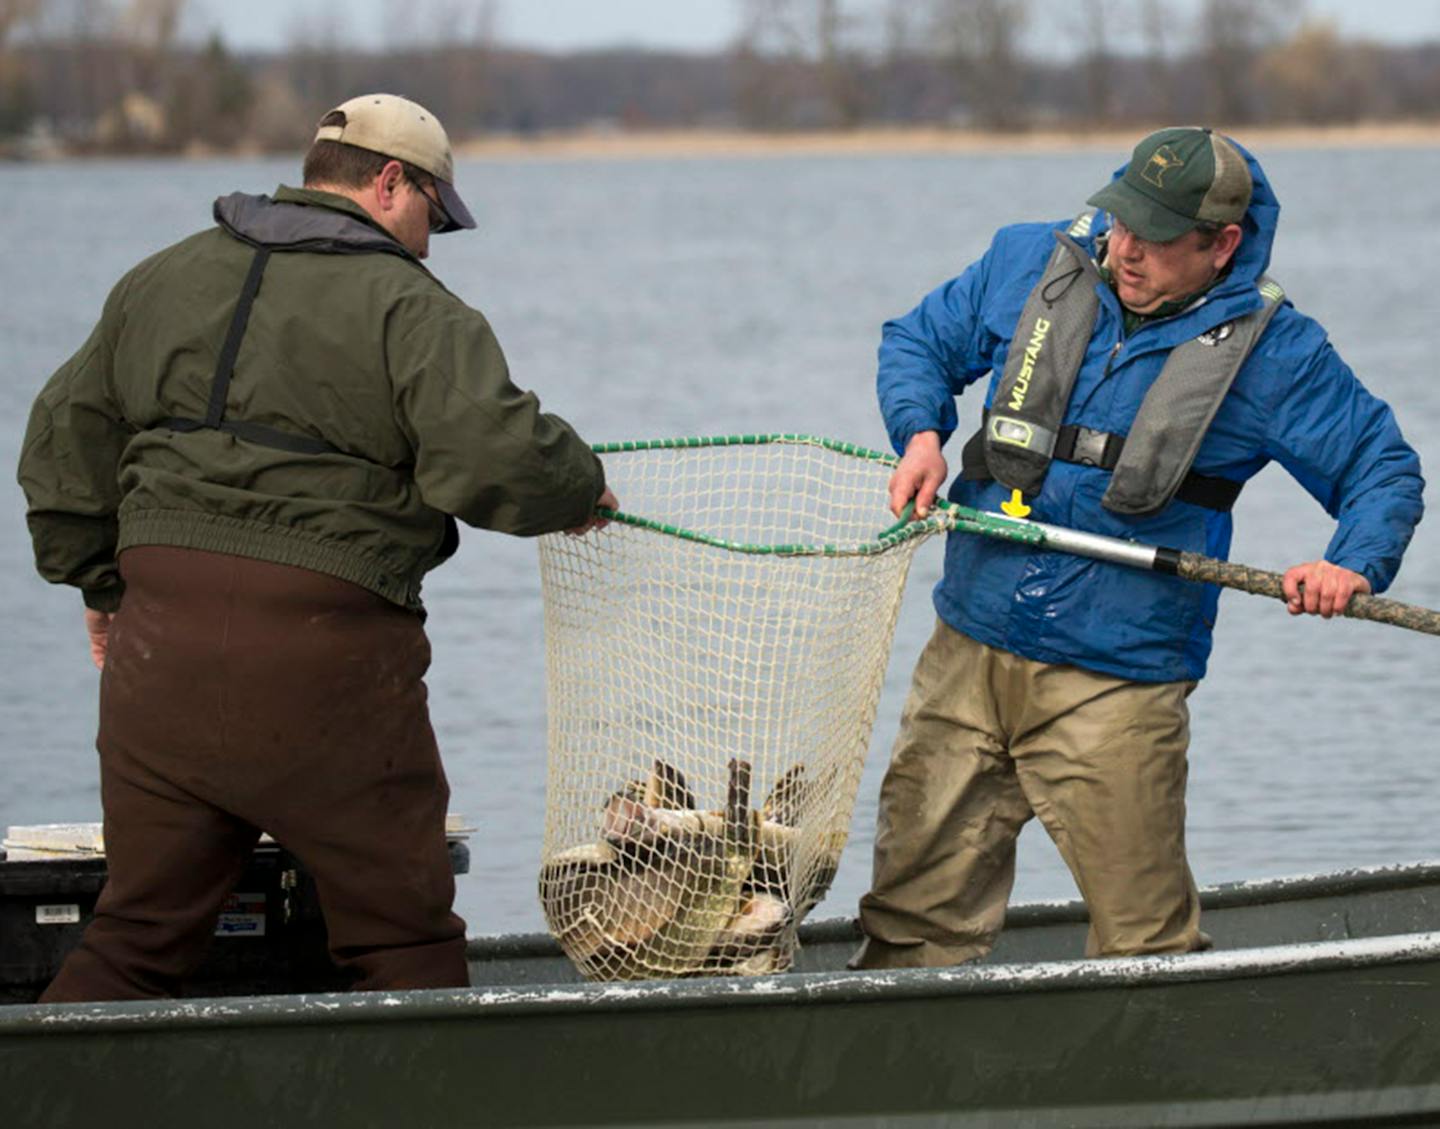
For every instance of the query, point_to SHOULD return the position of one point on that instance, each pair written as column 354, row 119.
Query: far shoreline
column 704, row 143
column 720, row 144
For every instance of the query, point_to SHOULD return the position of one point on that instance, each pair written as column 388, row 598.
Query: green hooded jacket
column 353, row 347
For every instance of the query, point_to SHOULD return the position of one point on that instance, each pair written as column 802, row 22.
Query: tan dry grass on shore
column 623, row 145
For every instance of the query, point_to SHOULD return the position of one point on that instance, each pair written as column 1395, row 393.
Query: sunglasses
column 439, row 219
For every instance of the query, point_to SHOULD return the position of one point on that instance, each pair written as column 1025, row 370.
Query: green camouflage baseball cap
column 1178, row 178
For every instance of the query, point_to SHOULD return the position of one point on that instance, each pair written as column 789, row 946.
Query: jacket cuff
column 105, row 599
column 1378, row 578
column 907, row 420
column 902, row 433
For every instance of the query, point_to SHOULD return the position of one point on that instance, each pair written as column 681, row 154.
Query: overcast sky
column 696, row 25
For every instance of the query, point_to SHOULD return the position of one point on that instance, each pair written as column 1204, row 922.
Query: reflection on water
column 669, row 297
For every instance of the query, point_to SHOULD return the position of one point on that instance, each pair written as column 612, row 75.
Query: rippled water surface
column 670, row 297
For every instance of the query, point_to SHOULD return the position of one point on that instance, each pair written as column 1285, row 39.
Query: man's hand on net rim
column 920, row 475
column 609, row 502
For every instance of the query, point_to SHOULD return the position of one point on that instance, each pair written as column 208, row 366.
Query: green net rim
column 946, row 516
column 836, row 445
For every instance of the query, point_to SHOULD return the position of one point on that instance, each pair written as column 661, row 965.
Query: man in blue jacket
column 1142, row 369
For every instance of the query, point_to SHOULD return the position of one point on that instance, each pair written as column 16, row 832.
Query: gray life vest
column 1023, row 429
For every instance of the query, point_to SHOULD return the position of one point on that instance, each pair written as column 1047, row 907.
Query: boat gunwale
column 803, row 987
column 821, row 988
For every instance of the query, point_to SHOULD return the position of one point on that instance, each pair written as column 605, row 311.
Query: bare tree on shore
column 759, row 67
column 981, row 39
column 318, row 42
column 1090, row 20
column 151, row 26
column 839, row 63
column 15, row 95
column 1316, row 77
column 16, row 13
column 1154, row 18
column 1234, row 34
column 782, row 43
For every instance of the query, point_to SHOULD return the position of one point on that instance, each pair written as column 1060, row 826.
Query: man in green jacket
column 247, row 470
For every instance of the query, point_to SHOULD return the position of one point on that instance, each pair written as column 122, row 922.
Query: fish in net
column 714, row 658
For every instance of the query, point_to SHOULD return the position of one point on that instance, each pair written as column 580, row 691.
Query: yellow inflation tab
column 1016, row 506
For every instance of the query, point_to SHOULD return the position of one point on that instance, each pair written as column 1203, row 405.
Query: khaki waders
column 987, row 740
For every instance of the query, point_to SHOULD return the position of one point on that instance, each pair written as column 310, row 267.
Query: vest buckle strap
column 1100, row 449
column 1088, row 447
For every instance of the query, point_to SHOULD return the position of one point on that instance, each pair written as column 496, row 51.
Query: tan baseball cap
column 397, row 127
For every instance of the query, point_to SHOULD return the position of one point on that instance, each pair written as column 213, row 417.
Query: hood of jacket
column 1258, row 228
column 304, row 219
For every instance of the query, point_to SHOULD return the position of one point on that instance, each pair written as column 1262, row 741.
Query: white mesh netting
column 710, row 706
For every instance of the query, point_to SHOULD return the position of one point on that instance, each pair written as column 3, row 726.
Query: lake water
column 707, row 296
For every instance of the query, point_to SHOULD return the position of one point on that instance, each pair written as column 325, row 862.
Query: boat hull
column 1334, row 1030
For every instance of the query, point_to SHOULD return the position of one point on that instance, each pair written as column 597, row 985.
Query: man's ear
column 1227, row 242
column 387, row 184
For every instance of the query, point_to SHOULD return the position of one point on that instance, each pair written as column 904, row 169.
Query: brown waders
column 241, row 696
column 987, row 740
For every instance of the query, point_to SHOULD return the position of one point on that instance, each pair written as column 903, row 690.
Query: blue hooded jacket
column 1294, row 401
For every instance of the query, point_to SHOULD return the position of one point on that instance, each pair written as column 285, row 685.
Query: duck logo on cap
column 1161, row 161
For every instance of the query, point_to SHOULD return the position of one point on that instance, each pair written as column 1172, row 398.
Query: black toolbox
column 270, row 937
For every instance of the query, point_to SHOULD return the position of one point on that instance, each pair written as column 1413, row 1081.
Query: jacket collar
column 315, row 198
column 302, row 219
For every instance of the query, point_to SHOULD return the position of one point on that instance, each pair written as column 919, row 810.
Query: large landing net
column 714, row 669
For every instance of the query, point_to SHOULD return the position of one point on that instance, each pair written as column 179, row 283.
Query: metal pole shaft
column 1099, row 547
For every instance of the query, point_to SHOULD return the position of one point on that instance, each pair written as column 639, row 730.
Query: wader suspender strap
column 225, row 368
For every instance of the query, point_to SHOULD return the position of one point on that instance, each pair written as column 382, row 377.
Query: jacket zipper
column 1110, row 360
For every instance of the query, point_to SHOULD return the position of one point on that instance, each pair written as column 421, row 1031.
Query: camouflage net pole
column 714, row 669
column 1187, row 566
column 1377, row 609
